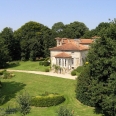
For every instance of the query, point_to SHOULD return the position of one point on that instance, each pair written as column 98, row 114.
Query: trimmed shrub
column 7, row 75
column 47, row 101
column 47, row 70
column 79, row 69
column 13, row 64
column 41, row 63
column 46, row 63
column 73, row 73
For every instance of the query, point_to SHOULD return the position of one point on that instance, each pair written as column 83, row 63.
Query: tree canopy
column 99, row 30
column 4, row 53
column 35, row 40
column 97, row 82
column 73, row 30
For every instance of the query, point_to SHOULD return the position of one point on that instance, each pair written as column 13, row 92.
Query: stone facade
column 69, row 53
column 77, row 58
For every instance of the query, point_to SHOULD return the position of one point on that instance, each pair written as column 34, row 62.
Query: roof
column 70, row 46
column 63, row 55
column 86, row 41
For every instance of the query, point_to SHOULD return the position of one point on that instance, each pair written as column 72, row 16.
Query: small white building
column 69, row 53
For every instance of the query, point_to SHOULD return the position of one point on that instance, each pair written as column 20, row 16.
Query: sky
column 15, row 13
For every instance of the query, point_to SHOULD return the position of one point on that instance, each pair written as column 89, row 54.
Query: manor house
column 70, row 53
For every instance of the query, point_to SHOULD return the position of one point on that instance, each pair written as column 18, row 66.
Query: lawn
column 39, row 84
column 27, row 65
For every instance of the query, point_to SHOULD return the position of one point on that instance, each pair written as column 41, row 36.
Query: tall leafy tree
column 99, row 90
column 27, row 35
column 7, row 35
column 75, row 30
column 35, row 47
column 35, row 40
column 4, row 53
column 99, row 30
column 48, row 41
column 58, row 27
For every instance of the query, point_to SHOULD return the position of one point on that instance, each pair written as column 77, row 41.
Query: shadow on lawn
column 9, row 90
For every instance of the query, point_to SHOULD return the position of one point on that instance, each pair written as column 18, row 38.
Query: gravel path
column 67, row 76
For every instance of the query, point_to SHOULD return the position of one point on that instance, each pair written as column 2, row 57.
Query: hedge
column 47, row 101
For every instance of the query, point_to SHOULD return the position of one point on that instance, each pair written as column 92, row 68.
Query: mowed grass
column 28, row 65
column 39, row 84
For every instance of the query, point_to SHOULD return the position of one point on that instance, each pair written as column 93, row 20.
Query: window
column 59, row 62
column 65, row 62
column 72, row 61
column 62, row 62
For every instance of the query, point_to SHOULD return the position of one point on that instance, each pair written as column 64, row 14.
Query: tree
column 35, row 40
column 7, row 35
column 90, row 33
column 35, row 48
column 83, row 86
column 4, row 53
column 99, row 30
column 48, row 41
column 24, row 102
column 26, row 35
column 99, row 86
column 75, row 30
column 58, row 27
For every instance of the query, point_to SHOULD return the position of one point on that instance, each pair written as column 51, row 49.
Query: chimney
column 58, row 40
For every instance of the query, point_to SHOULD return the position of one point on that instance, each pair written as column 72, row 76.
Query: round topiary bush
column 41, row 63
column 47, row 70
column 73, row 73
column 46, row 63
column 47, row 100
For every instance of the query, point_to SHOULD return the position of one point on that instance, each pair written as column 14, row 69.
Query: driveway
column 67, row 76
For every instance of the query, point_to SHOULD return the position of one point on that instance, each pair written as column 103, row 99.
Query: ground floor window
column 72, row 61
column 65, row 62
column 59, row 61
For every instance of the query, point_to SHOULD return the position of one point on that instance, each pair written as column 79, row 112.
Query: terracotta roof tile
column 63, row 55
column 86, row 41
column 70, row 46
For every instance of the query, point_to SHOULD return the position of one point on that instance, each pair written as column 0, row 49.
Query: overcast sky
column 15, row 13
